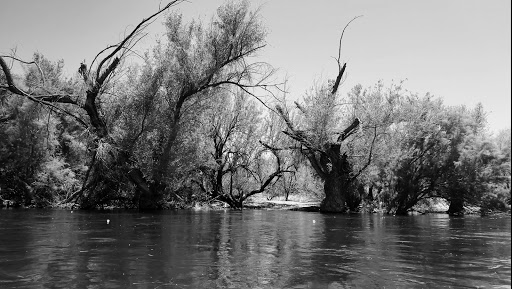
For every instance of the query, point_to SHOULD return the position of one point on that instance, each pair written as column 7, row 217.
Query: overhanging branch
column 46, row 100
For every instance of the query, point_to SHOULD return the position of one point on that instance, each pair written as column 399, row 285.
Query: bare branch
column 341, row 38
column 26, row 62
column 349, row 130
column 7, row 72
column 268, row 181
column 134, row 31
column 59, row 98
column 45, row 100
column 300, row 107
column 285, row 117
column 338, row 79
column 341, row 69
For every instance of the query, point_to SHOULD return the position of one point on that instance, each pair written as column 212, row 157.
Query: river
column 251, row 249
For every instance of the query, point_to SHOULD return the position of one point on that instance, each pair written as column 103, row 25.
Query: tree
column 201, row 61
column 95, row 85
column 296, row 179
column 329, row 163
column 195, row 63
column 427, row 156
column 21, row 152
column 241, row 165
column 480, row 176
column 37, row 152
column 323, row 154
column 319, row 144
column 377, row 107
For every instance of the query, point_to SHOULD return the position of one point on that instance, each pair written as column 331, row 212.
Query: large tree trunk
column 337, row 181
column 456, row 207
column 334, row 201
column 401, row 204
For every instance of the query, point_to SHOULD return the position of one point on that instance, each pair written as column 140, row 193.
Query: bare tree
column 242, row 165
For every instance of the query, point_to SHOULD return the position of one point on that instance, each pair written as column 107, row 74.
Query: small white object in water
column 108, row 221
column 314, row 221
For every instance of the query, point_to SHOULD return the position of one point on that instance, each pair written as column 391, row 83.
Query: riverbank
column 301, row 204
column 311, row 206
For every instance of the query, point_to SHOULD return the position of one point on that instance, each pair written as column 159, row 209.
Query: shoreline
column 304, row 206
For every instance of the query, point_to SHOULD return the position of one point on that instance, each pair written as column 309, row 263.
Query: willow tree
column 195, row 62
column 329, row 162
column 198, row 62
column 84, row 106
column 322, row 141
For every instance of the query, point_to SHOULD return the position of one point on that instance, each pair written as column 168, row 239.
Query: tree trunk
column 354, row 196
column 334, row 201
column 456, row 207
column 330, row 165
column 103, row 187
column 337, row 181
column 402, row 205
column 402, row 211
column 147, row 196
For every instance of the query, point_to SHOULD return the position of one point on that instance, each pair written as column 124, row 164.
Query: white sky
column 459, row 50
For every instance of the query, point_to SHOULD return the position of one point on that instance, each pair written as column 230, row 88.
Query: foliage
column 428, row 150
column 39, row 150
column 239, row 164
column 186, row 126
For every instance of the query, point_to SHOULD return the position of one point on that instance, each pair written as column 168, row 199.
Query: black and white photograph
column 255, row 144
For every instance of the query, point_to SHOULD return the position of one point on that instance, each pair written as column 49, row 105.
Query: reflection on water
column 250, row 249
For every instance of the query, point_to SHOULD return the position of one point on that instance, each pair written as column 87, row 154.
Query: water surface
column 251, row 249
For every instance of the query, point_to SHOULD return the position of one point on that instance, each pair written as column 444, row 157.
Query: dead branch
column 10, row 82
column 341, row 38
column 285, row 117
column 338, row 79
column 268, row 181
column 341, row 69
column 300, row 107
column 26, row 62
column 121, row 45
column 349, row 130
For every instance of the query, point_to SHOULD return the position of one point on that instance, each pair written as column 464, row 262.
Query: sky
column 458, row 50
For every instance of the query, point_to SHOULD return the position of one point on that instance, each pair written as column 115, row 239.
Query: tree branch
column 134, row 31
column 58, row 98
column 338, row 79
column 349, row 130
column 341, row 38
column 11, row 86
column 267, row 182
column 26, row 62
column 369, row 155
column 341, row 70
